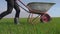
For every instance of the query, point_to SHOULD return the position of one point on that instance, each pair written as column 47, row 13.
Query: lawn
column 7, row 26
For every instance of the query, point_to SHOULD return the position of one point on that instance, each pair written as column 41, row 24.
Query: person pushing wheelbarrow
column 10, row 5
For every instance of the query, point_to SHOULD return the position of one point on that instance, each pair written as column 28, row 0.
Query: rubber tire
column 47, row 16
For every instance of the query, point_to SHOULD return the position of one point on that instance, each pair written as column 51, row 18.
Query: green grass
column 7, row 26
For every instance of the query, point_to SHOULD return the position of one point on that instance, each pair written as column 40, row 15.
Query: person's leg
column 16, row 19
column 10, row 5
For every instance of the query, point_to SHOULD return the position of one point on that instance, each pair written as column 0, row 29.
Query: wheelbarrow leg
column 33, row 20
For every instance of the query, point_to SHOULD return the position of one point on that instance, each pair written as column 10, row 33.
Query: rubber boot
column 16, row 20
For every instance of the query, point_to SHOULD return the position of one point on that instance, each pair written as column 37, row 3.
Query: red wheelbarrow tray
column 39, row 7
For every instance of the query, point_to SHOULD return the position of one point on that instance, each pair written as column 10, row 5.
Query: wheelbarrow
column 39, row 8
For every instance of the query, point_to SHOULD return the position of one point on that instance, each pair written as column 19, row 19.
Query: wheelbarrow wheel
column 33, row 20
column 45, row 18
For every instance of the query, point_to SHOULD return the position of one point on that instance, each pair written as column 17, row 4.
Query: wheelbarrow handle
column 25, row 5
column 22, row 3
column 23, row 8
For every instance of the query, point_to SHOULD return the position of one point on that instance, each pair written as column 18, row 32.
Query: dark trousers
column 10, row 5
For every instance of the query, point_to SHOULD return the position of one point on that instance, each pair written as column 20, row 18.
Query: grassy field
column 7, row 26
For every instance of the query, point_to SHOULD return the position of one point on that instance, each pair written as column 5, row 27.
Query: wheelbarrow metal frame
column 40, row 15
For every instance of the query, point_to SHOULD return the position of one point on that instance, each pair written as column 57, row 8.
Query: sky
column 53, row 12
